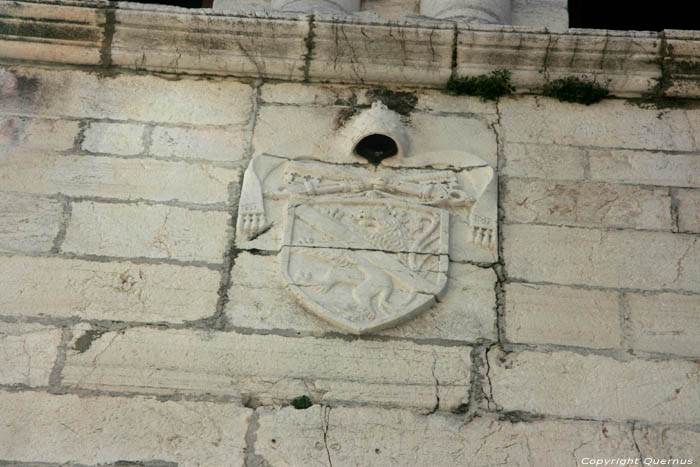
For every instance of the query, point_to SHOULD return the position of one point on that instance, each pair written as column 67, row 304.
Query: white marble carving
column 366, row 247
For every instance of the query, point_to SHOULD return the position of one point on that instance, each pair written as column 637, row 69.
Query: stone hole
column 375, row 148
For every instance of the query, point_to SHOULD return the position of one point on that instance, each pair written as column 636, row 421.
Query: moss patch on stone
column 488, row 87
column 574, row 89
column 302, row 402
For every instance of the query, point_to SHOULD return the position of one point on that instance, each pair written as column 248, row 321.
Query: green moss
column 488, row 87
column 302, row 402
column 577, row 90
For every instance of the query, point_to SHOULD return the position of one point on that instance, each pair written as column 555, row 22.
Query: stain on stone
column 84, row 342
column 400, row 102
column 517, row 416
column 49, row 31
column 26, row 86
column 346, row 113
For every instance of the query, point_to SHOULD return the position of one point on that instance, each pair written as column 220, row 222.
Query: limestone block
column 320, row 6
column 469, row 11
column 567, row 384
column 548, row 161
column 259, row 299
column 391, row 9
column 114, row 138
column 627, row 62
column 688, row 210
column 312, row 132
column 379, row 53
column 605, row 258
column 664, row 322
column 681, row 62
column 550, row 14
column 237, row 5
column 130, row 97
column 586, row 204
column 647, row 167
column 439, row 101
column 211, row 144
column 296, row 131
column 613, row 123
column 273, row 368
column 312, row 94
column 21, row 133
column 29, row 352
column 241, row 45
column 28, row 223
column 51, row 32
column 110, row 177
column 41, row 427
column 140, row 230
column 545, row 314
column 445, row 141
column 385, row 437
column 115, row 291
column 672, row 445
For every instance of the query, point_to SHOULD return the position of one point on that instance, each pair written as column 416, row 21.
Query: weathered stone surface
column 273, row 368
column 114, row 138
column 688, row 210
column 437, row 101
column 664, row 322
column 547, row 161
column 130, row 97
column 140, row 230
column 567, row 384
column 265, row 47
column 606, row 258
column 312, row 94
column 259, row 299
column 626, row 61
column 51, row 32
column 586, row 204
column 681, row 63
column 647, row 167
column 613, row 123
column 391, row 9
column 115, row 291
column 369, row 52
column 673, row 445
column 543, row 314
column 20, row 133
column 112, row 177
column 550, row 14
column 313, row 132
column 29, row 352
column 40, row 427
column 210, row 144
column 378, row 437
column 28, row 223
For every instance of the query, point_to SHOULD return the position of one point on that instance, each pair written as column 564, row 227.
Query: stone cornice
column 351, row 50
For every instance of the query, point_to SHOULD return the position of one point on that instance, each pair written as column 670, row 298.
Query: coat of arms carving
column 365, row 247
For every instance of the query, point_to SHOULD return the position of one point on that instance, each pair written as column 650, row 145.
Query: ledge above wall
column 416, row 52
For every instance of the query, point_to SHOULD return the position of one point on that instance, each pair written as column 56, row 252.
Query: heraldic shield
column 365, row 263
column 364, row 249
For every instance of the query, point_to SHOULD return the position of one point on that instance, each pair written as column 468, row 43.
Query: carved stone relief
column 365, row 247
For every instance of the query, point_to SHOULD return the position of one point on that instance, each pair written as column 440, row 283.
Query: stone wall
column 137, row 327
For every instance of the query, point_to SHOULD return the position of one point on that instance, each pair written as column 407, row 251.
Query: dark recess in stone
column 375, row 148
